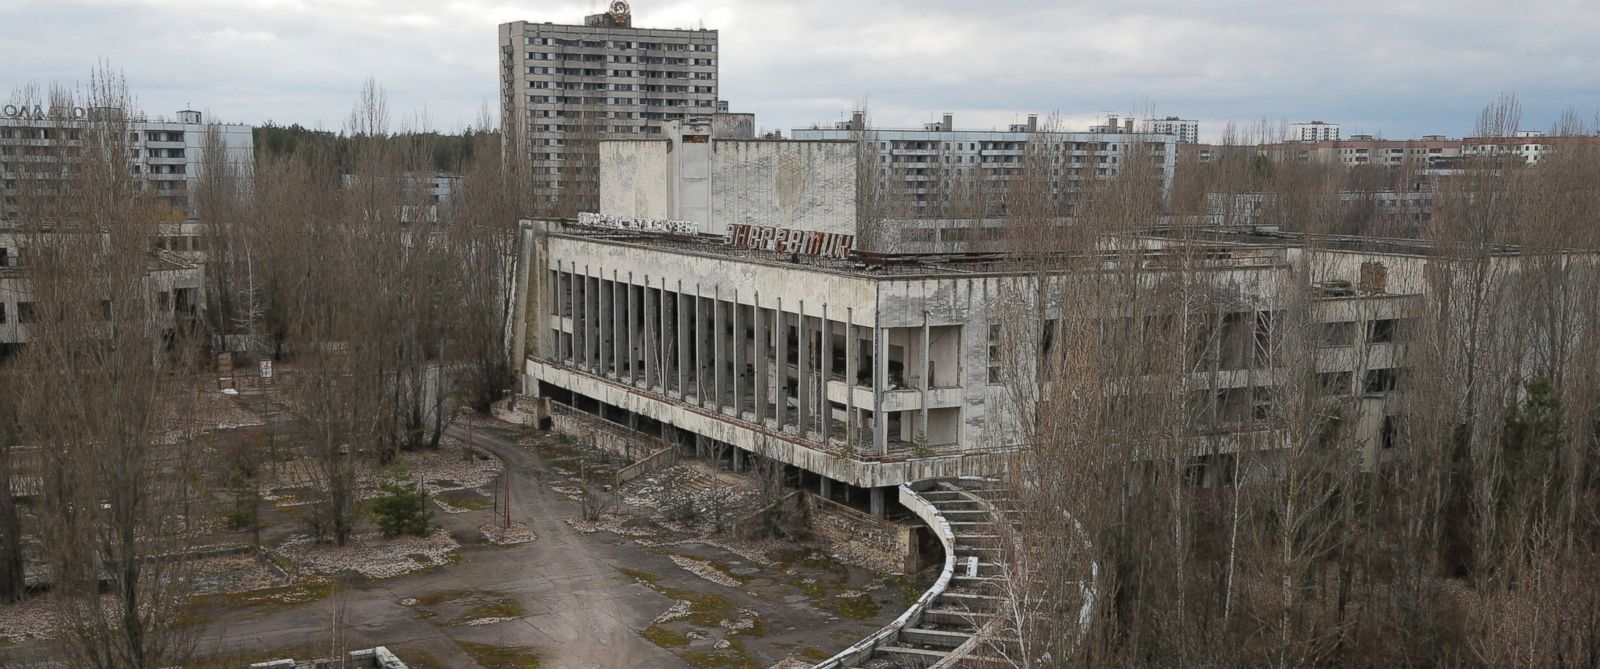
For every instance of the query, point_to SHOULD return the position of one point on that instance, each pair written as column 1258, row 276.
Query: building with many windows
column 739, row 308
column 1314, row 131
column 167, row 155
column 923, row 169
column 563, row 87
column 1186, row 130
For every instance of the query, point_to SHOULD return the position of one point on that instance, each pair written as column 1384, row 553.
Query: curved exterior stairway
column 941, row 629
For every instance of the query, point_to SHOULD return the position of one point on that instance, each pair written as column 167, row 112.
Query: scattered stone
column 371, row 555
column 705, row 570
column 678, row 610
column 499, row 535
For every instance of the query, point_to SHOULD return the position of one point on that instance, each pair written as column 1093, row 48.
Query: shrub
column 402, row 508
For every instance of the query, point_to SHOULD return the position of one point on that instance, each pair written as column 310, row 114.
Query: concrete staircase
column 945, row 634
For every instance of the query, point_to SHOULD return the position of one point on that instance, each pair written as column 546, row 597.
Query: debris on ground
column 678, row 610
column 371, row 555
column 500, row 535
column 704, row 570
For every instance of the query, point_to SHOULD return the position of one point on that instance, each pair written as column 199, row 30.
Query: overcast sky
column 1397, row 68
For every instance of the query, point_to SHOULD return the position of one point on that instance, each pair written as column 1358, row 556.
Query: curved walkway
column 943, row 626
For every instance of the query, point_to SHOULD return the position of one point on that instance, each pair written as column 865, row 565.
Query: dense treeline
column 448, row 153
column 1445, row 511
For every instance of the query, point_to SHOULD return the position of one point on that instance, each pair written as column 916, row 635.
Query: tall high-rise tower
column 565, row 87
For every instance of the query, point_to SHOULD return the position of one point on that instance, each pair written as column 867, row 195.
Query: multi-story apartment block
column 919, row 168
column 168, row 155
column 723, row 300
column 1315, row 131
column 564, row 87
column 1186, row 130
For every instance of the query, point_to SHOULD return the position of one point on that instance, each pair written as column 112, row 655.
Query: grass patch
column 471, row 604
column 472, row 503
column 858, row 608
column 500, row 607
column 732, row 657
column 245, row 659
column 500, row 657
column 418, row 659
column 705, row 610
column 308, row 589
column 814, row 653
column 664, row 637
column 644, row 576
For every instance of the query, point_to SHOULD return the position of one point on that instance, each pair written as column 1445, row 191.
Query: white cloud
column 1401, row 68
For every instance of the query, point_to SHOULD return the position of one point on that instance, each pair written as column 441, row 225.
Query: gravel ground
column 371, row 555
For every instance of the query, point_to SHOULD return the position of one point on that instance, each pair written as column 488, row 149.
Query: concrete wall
column 636, row 178
column 727, row 125
column 873, row 542
column 784, row 184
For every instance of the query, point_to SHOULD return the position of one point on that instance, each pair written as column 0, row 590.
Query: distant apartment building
column 166, row 155
column 1315, row 131
column 1186, row 130
column 1431, row 152
column 564, row 87
column 920, row 168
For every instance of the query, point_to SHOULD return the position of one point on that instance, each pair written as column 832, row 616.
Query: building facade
column 1186, row 130
column 167, row 155
column 759, row 336
column 564, row 87
column 921, row 170
column 1314, row 131
column 174, row 285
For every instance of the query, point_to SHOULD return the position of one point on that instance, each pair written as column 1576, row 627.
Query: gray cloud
column 1400, row 68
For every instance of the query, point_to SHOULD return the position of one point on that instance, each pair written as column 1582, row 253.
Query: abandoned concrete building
column 176, row 288
column 724, row 299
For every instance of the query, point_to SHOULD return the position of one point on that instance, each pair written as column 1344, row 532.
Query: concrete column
column 619, row 326
column 851, row 413
column 681, row 336
column 738, row 459
column 719, row 348
column 880, row 383
column 574, row 341
column 631, row 344
column 803, row 371
column 698, row 333
column 927, row 377
column 825, row 354
column 780, row 380
column 824, row 487
column 602, row 328
column 592, row 326
column 588, row 325
column 647, row 345
column 602, row 305
column 879, row 506
column 663, row 301
column 560, row 295
column 763, row 344
column 738, row 353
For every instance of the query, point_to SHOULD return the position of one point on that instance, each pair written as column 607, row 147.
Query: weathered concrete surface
column 580, row 611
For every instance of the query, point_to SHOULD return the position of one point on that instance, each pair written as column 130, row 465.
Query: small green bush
column 402, row 508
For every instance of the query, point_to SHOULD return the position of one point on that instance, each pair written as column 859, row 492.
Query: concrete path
column 580, row 611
